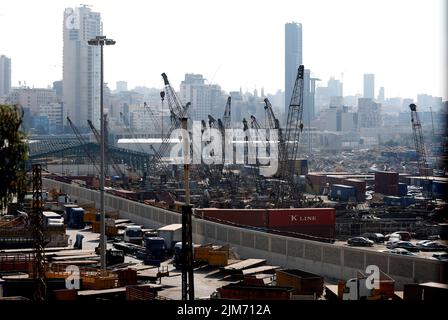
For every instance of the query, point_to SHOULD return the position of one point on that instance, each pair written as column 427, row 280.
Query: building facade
column 81, row 65
column 369, row 113
column 5, row 75
column 293, row 58
column 32, row 98
column 369, row 86
column 205, row 99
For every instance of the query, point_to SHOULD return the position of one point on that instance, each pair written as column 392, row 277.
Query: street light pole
column 101, row 41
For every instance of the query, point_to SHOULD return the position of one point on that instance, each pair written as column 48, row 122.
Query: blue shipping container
column 440, row 189
column 342, row 192
column 77, row 218
column 402, row 189
column 392, row 201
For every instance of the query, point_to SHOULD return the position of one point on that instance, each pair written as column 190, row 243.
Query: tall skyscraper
column 293, row 58
column 369, row 86
column 5, row 75
column 81, row 69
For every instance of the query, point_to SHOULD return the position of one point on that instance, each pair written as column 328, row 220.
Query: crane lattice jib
column 418, row 140
column 288, row 152
column 83, row 143
column 106, row 146
column 274, row 123
column 227, row 118
column 177, row 111
column 146, row 108
column 294, row 127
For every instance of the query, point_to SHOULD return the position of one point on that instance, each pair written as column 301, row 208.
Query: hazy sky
column 241, row 42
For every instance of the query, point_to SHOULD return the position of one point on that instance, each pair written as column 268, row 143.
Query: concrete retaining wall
column 329, row 260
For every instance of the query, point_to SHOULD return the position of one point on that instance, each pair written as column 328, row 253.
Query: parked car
column 422, row 242
column 404, row 235
column 441, row 256
column 432, row 246
column 403, row 245
column 375, row 237
column 400, row 251
column 360, row 242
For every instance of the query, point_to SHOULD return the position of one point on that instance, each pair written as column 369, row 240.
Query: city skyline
column 246, row 48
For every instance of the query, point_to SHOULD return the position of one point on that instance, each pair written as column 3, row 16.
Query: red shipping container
column 243, row 217
column 302, row 217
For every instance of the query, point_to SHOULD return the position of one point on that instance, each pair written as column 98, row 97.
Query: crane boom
column 288, row 155
column 227, row 118
column 418, row 140
column 83, row 143
column 98, row 139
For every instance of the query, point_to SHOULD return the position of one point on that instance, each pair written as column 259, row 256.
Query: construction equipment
column 274, row 124
column 37, row 226
column 423, row 167
column 108, row 156
column 177, row 111
column 147, row 109
column 83, row 143
column 418, row 140
column 294, row 127
column 227, row 118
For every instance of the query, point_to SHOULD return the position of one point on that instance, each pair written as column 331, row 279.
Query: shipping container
column 360, row 186
column 302, row 282
column 341, row 192
column 440, row 189
column 239, row 291
column 76, row 218
column 241, row 217
column 402, row 189
column 171, row 233
column 386, row 182
column 403, row 177
column 68, row 210
column 392, row 201
column 315, row 222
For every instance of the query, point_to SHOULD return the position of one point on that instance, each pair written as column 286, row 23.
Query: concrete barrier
column 328, row 260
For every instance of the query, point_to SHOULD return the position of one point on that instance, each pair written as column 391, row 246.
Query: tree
column 13, row 155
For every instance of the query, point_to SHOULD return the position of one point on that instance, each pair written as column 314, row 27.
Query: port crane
column 97, row 135
column 83, row 143
column 423, row 167
column 177, row 112
column 288, row 156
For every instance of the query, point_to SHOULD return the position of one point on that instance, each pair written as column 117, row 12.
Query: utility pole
column 187, row 241
column 102, row 41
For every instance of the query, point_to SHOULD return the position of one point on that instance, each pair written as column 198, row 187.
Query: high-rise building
column 32, row 98
column 369, row 113
column 205, row 99
column 81, row 65
column 369, row 86
column 293, row 58
column 5, row 75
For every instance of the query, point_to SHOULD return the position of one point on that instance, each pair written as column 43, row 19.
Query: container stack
column 386, row 182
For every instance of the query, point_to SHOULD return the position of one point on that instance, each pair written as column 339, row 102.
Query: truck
column 133, row 234
column 172, row 234
column 154, row 252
